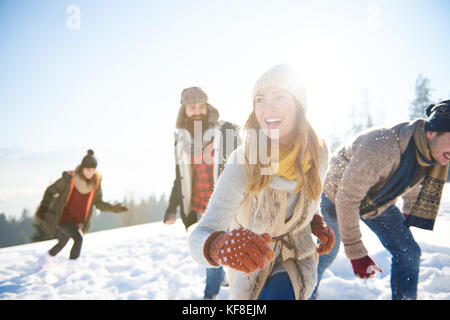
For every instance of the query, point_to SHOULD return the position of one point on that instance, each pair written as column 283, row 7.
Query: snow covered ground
column 152, row 261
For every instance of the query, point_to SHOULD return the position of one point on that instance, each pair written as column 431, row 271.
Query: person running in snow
column 260, row 224
column 67, row 204
column 409, row 160
column 202, row 144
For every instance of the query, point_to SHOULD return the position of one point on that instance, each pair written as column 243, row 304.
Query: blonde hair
column 310, row 181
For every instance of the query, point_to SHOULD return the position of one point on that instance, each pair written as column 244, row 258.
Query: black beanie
column 438, row 117
column 89, row 161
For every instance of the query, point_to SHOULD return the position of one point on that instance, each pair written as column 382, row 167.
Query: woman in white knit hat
column 260, row 225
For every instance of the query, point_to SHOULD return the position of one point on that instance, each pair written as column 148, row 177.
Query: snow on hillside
column 152, row 261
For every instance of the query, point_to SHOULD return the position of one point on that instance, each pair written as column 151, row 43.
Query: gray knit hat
column 283, row 76
column 193, row 95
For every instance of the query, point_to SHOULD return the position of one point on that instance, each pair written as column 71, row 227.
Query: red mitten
column 324, row 233
column 365, row 267
column 240, row 249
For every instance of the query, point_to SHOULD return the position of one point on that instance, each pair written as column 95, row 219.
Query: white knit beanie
column 283, row 76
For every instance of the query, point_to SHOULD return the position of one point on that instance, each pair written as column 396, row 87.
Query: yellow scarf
column 425, row 210
column 286, row 167
column 437, row 171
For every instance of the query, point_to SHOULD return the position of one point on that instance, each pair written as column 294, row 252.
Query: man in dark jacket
column 202, row 144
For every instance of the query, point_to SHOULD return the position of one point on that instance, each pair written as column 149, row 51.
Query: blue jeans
column 394, row 236
column 278, row 287
column 325, row 260
column 214, row 278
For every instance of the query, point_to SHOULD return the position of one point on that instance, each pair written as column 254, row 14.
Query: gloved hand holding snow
column 365, row 268
column 170, row 219
column 324, row 233
column 118, row 208
column 240, row 249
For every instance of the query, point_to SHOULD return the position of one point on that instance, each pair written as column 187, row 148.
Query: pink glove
column 365, row 268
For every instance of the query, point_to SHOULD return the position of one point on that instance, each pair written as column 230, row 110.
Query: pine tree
column 362, row 119
column 127, row 217
column 422, row 100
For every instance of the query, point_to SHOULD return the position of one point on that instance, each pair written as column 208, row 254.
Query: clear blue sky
column 114, row 84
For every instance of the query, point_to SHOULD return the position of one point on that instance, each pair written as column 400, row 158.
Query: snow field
column 152, row 261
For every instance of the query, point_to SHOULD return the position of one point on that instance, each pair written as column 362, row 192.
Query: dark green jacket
column 55, row 198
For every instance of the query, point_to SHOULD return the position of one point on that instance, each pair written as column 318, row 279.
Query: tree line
column 27, row 228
